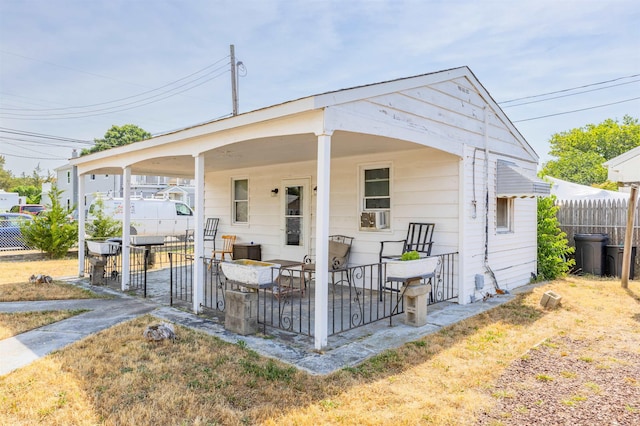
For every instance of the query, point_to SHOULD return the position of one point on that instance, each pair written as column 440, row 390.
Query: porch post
column 198, row 235
column 81, row 221
column 126, row 227
column 321, row 321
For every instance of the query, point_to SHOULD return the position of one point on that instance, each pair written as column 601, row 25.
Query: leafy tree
column 32, row 193
column 580, row 152
column 6, row 177
column 553, row 246
column 51, row 231
column 118, row 136
column 103, row 226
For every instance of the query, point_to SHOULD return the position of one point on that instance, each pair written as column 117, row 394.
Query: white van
column 149, row 216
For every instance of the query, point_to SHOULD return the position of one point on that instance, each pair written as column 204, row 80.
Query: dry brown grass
column 12, row 324
column 15, row 285
column 20, row 271
column 117, row 377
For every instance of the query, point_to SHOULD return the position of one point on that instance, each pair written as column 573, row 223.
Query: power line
column 32, row 157
column 118, row 108
column 576, row 110
column 43, row 136
column 568, row 90
column 571, row 94
column 128, row 97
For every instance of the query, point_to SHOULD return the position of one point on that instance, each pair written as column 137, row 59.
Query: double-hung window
column 376, row 197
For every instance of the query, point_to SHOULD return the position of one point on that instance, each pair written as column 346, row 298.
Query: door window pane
column 293, row 215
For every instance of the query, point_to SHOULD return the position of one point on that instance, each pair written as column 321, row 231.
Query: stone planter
column 102, row 247
column 249, row 273
column 411, row 268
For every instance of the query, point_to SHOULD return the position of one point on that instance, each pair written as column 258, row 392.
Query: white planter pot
column 249, row 272
column 102, row 247
column 411, row 268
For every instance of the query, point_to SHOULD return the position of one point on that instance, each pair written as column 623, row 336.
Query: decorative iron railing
column 355, row 296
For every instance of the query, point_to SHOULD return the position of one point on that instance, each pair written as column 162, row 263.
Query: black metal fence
column 142, row 259
column 355, row 297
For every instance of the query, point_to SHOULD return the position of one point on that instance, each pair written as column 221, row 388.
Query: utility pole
column 628, row 237
column 234, row 81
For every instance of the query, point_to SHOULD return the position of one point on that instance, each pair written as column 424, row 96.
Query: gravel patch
column 568, row 382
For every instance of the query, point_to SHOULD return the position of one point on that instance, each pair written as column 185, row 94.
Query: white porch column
column 198, row 237
column 322, row 240
column 81, row 222
column 126, row 226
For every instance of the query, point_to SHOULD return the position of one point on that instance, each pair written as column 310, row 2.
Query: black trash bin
column 613, row 261
column 590, row 254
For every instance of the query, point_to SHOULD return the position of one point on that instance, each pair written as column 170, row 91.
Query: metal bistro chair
column 211, row 230
column 419, row 238
column 339, row 251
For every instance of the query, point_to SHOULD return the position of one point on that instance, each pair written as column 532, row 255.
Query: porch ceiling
column 266, row 151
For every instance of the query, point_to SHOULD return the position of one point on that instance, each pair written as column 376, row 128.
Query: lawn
column 15, row 286
column 455, row 376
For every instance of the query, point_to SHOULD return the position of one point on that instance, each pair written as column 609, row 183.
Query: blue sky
column 71, row 54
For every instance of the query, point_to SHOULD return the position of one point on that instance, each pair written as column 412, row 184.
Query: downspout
column 487, row 268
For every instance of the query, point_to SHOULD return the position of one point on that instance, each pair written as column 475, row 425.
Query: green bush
column 553, row 246
column 51, row 231
column 410, row 255
column 102, row 226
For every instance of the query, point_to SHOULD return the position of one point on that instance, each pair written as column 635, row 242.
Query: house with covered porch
column 362, row 162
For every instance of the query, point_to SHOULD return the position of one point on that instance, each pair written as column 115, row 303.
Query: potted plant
column 410, row 264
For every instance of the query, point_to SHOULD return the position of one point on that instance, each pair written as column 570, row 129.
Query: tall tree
column 580, row 152
column 118, row 136
column 6, row 177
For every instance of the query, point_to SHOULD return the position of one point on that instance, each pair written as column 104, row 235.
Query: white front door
column 296, row 219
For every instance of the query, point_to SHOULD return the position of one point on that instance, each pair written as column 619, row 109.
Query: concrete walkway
column 347, row 349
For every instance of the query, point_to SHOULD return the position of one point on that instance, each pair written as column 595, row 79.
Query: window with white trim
column 240, row 200
column 376, row 197
column 504, row 214
column 68, row 176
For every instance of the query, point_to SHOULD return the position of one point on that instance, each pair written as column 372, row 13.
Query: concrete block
column 96, row 275
column 550, row 300
column 415, row 304
column 241, row 312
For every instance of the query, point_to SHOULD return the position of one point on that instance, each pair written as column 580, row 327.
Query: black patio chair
column 419, row 238
column 211, row 230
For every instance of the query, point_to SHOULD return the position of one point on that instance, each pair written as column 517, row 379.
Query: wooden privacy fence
column 598, row 217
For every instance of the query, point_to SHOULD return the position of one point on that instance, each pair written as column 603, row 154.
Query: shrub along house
column 362, row 162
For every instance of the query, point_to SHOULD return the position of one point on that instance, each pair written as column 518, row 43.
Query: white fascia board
column 377, row 89
column 629, row 155
column 232, row 123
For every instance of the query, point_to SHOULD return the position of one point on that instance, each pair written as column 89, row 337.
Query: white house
column 429, row 148
column 625, row 169
column 143, row 186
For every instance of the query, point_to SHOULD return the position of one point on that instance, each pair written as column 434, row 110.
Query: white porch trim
column 198, row 238
column 322, row 240
column 126, row 227
column 81, row 223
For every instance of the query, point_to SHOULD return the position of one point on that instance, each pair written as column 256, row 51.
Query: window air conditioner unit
column 382, row 220
column 374, row 220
